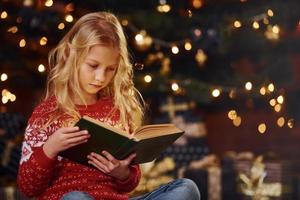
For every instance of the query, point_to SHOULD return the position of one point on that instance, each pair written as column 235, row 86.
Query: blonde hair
column 99, row 28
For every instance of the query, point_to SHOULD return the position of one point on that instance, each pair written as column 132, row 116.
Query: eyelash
column 95, row 66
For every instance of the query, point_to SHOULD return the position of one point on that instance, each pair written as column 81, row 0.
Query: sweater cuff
column 43, row 160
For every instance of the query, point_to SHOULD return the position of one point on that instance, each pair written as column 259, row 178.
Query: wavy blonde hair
column 98, row 28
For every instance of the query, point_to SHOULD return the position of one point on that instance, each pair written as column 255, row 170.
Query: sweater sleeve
column 131, row 182
column 36, row 169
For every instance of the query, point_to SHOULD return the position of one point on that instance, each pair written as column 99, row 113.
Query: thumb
column 131, row 157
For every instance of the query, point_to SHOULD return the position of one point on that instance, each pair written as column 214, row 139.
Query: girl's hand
column 63, row 139
column 111, row 166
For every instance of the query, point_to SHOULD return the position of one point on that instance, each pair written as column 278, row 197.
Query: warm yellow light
column 4, row 99
column 232, row 94
column 124, row 22
column 188, row 46
column 27, row 3
column 280, row 121
column 4, row 77
column 216, row 93
column 280, row 99
column 255, row 25
column 4, row 92
column 271, row 87
column 13, row 29
column 262, row 90
column 197, row 3
column 237, row 24
column 139, row 37
column 175, row 86
column 147, row 78
column 41, row 68
column 200, row 57
column 272, row 102
column 232, row 114
column 262, row 128
column 277, row 108
column 69, row 18
column 290, row 123
column 270, row 13
column 49, row 3
column 248, row 86
column 61, row 26
column 276, row 29
column 43, row 41
column 237, row 121
column 175, row 50
column 13, row 98
column 4, row 15
column 22, row 43
column 265, row 21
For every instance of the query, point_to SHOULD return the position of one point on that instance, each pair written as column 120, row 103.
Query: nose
column 100, row 75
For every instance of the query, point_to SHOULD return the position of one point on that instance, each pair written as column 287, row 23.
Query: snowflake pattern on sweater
column 49, row 179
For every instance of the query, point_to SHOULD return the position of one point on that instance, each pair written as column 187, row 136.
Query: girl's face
column 97, row 70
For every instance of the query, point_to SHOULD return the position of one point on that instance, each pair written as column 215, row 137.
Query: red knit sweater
column 49, row 179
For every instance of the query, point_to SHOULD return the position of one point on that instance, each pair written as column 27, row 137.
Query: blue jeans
column 179, row 189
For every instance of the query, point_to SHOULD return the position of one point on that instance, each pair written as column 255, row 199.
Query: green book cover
column 148, row 142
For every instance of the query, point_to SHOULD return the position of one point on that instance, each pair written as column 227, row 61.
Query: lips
column 97, row 86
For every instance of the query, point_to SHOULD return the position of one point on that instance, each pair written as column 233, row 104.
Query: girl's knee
column 191, row 187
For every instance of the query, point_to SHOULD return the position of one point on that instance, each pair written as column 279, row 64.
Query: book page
column 150, row 131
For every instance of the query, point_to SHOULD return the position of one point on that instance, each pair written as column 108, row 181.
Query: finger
column 108, row 156
column 69, row 129
column 98, row 163
column 77, row 139
column 130, row 157
column 76, row 143
column 77, row 134
column 101, row 158
column 97, row 166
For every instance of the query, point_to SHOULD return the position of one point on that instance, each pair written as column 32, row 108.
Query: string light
column 4, row 77
column 175, row 86
column 148, row 78
column 280, row 121
column 216, row 92
column 255, row 25
column 237, row 121
column 276, row 29
column 61, row 26
column 41, row 68
column 232, row 114
column 13, row 29
column 188, row 46
column 200, row 57
column 43, row 41
column 22, row 43
column 237, row 24
column 69, row 18
column 277, row 108
column 49, row 3
column 262, row 91
column 272, row 102
column 197, row 3
column 271, row 87
column 175, row 49
column 4, row 15
column 248, row 86
column 124, row 22
column 290, row 123
column 163, row 8
column 280, row 99
column 262, row 128
column 27, row 3
column 270, row 13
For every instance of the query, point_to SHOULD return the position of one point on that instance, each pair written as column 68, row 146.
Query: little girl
column 90, row 75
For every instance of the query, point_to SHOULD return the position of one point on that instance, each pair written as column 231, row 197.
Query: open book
column 147, row 141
